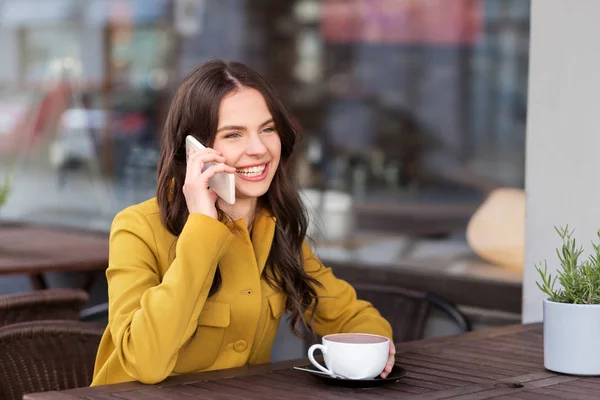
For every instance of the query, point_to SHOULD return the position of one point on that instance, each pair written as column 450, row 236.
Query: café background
column 399, row 101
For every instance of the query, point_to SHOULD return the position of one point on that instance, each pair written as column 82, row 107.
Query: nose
column 256, row 147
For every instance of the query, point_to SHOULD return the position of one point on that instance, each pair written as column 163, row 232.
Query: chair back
column 40, row 356
column 408, row 310
column 41, row 305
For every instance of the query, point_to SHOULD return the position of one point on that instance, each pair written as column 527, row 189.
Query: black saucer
column 394, row 376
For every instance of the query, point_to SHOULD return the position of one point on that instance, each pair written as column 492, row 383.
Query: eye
column 232, row 135
column 270, row 129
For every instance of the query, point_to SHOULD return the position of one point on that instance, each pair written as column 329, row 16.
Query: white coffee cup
column 352, row 355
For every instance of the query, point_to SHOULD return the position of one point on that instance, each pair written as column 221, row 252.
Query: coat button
column 240, row 346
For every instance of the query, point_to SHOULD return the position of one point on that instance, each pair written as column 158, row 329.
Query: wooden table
column 34, row 251
column 500, row 363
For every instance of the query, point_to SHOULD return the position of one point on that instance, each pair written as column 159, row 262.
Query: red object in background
column 420, row 22
column 24, row 121
column 132, row 123
column 12, row 118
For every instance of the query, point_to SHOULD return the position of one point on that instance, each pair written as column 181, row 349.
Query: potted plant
column 572, row 310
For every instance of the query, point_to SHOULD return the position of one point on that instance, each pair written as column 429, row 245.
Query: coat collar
column 262, row 232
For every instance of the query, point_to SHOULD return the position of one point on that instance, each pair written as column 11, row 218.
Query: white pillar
column 563, row 134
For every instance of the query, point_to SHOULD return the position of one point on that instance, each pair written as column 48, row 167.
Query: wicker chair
column 41, row 305
column 40, row 356
column 97, row 313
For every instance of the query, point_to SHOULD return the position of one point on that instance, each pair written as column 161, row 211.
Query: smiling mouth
column 252, row 171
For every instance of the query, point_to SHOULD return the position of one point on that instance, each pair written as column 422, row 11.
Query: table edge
column 262, row 368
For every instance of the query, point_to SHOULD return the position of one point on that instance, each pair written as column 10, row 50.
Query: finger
column 391, row 361
column 194, row 166
column 208, row 155
column 199, row 158
column 191, row 151
column 215, row 169
column 212, row 157
column 388, row 366
column 209, row 150
column 227, row 168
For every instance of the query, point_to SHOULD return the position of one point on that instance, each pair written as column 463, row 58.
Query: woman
column 197, row 284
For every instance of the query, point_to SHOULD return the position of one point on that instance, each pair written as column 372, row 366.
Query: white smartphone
column 222, row 183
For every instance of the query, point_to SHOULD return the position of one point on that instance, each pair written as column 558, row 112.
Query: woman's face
column 249, row 141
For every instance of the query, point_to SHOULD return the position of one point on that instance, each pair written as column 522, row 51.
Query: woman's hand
column 199, row 198
column 391, row 361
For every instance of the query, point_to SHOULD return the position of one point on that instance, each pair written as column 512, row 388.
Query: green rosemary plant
column 579, row 281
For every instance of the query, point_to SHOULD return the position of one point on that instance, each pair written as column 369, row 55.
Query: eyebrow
column 241, row 128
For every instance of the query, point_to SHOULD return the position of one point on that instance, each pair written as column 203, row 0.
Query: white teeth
column 252, row 171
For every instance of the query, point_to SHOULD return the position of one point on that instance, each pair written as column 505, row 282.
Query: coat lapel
column 262, row 237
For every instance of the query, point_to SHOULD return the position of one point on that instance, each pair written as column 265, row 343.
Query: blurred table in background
column 439, row 209
column 425, row 219
column 446, row 267
column 35, row 250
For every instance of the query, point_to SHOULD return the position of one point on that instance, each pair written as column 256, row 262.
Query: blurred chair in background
column 42, row 305
column 408, row 310
column 41, row 356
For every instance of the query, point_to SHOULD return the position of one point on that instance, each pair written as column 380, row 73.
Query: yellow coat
column 160, row 320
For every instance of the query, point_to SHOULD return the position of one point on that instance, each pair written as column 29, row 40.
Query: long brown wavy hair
column 195, row 110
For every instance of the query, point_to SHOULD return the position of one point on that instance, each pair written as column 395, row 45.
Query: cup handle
column 314, row 362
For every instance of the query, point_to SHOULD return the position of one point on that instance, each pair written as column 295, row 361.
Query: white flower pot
column 572, row 338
